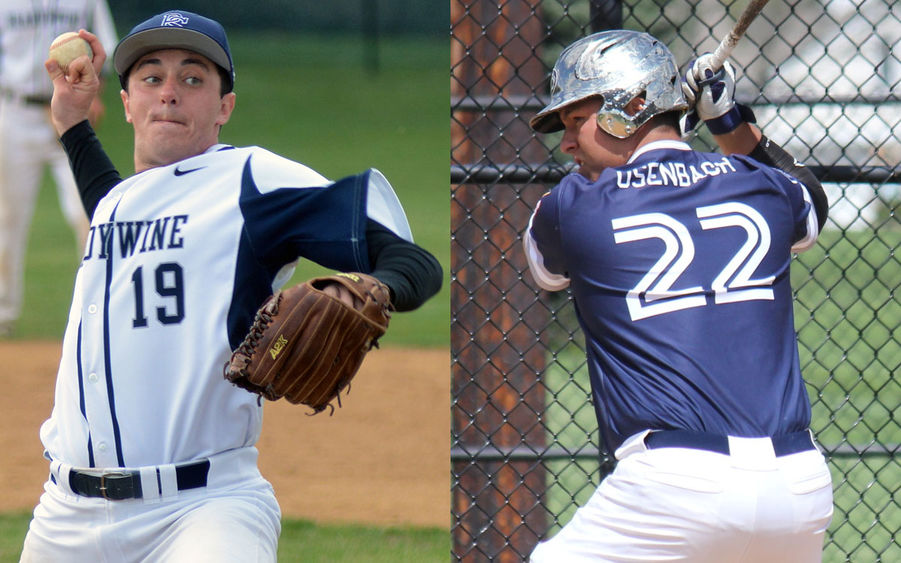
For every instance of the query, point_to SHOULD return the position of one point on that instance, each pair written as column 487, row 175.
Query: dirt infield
column 382, row 459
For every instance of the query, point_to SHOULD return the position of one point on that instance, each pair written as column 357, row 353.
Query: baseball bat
column 724, row 49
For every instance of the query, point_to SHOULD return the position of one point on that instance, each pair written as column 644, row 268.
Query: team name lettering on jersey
column 675, row 174
column 39, row 17
column 135, row 236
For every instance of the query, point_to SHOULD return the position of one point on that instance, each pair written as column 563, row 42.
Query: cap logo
column 173, row 19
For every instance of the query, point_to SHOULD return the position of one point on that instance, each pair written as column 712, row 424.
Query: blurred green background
column 340, row 87
column 393, row 17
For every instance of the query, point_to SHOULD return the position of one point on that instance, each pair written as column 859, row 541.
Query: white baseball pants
column 235, row 518
column 680, row 504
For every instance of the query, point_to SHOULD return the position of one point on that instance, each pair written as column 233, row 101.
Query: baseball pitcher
column 151, row 442
column 678, row 263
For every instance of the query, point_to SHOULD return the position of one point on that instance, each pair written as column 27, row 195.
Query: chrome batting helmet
column 616, row 66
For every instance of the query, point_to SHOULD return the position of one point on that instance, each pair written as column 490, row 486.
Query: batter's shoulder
column 751, row 162
column 573, row 183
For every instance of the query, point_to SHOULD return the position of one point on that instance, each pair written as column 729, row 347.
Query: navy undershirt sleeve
column 94, row 172
column 411, row 272
column 772, row 154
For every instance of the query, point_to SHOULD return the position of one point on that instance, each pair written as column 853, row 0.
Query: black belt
column 784, row 444
column 125, row 484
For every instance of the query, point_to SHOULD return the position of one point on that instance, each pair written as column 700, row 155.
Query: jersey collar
column 217, row 147
column 657, row 145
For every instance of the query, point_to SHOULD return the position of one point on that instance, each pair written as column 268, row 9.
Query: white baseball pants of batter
column 29, row 144
column 679, row 504
column 235, row 518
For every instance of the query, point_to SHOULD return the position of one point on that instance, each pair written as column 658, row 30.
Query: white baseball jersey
column 178, row 260
column 27, row 27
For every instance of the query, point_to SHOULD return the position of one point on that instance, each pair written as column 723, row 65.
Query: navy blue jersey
column 679, row 268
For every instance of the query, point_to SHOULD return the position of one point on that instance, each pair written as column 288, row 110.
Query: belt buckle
column 111, row 475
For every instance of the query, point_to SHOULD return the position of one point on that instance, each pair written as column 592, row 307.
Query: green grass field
column 305, row 541
column 327, row 111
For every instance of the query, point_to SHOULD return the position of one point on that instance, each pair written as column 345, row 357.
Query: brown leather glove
column 307, row 345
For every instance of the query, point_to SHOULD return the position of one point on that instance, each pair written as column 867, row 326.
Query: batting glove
column 711, row 94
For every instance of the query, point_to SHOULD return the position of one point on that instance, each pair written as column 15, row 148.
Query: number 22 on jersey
column 653, row 294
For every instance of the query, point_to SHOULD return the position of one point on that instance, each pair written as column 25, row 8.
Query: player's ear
column 226, row 107
column 636, row 104
column 124, row 95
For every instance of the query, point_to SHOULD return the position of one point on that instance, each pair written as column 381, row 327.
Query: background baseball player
column 151, row 450
column 28, row 142
column 678, row 262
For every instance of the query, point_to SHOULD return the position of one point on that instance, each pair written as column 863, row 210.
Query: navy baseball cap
column 175, row 29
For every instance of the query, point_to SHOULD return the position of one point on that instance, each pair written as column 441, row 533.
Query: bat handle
column 724, row 49
column 722, row 52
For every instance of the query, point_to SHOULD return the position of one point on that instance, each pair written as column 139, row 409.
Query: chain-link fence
column 824, row 79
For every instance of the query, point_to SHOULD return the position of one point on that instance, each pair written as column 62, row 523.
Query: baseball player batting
column 678, row 262
column 151, row 450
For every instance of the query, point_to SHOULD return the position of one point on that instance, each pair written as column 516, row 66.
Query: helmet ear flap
column 624, row 122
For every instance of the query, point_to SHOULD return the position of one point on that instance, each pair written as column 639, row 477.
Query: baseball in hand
column 68, row 47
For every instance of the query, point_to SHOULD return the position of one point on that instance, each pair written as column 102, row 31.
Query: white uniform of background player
column 28, row 142
column 152, row 452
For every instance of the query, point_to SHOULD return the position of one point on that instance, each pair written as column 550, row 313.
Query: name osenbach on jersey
column 676, row 174
column 135, row 236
